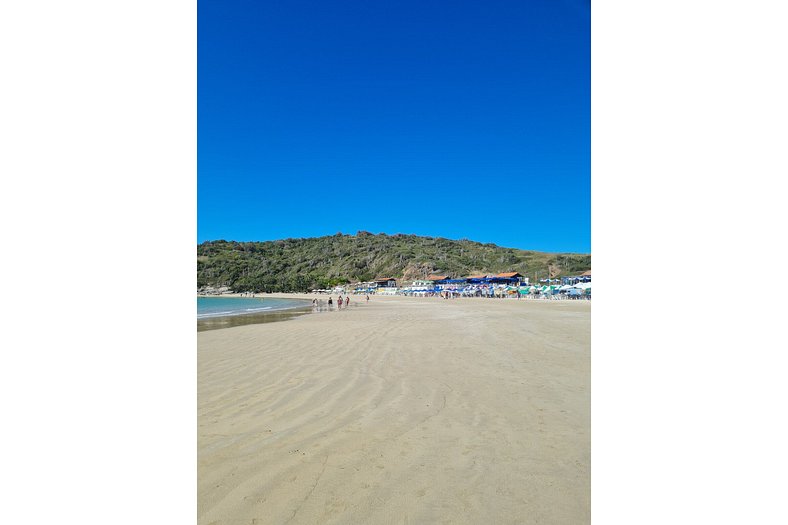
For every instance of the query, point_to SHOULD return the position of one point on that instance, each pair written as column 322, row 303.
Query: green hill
column 304, row 264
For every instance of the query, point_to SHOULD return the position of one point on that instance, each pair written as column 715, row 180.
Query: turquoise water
column 213, row 307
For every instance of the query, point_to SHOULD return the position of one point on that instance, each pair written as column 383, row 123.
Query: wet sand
column 400, row 410
column 215, row 323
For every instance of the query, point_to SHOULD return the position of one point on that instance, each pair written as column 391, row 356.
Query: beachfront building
column 419, row 287
column 422, row 285
column 584, row 277
column 497, row 285
column 451, row 284
column 512, row 278
column 364, row 288
column 435, row 279
column 385, row 286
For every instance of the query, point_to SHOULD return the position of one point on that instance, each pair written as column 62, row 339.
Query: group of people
column 340, row 301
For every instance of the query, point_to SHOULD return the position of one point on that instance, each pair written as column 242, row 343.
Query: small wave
column 246, row 311
column 216, row 314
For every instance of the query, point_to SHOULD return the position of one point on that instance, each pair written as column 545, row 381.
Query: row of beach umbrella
column 552, row 289
column 544, row 290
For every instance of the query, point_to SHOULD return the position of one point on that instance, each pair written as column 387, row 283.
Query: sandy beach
column 400, row 410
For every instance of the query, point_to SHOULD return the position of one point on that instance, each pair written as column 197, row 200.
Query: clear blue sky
column 452, row 119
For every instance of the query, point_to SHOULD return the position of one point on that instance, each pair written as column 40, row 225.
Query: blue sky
column 448, row 119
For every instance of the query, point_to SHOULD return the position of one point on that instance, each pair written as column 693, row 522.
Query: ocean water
column 214, row 307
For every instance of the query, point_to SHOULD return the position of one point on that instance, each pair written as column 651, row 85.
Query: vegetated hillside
column 320, row 262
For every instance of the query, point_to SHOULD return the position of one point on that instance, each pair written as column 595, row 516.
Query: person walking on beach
column 330, row 302
column 367, row 298
column 339, row 302
column 347, row 300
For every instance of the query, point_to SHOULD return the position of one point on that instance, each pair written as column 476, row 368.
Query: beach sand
column 400, row 410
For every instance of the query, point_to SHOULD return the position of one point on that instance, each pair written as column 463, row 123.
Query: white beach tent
column 583, row 286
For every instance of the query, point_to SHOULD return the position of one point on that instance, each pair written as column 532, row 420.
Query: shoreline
column 400, row 409
column 285, row 314
column 240, row 318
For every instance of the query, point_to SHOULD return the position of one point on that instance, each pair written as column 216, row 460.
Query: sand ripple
column 402, row 410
